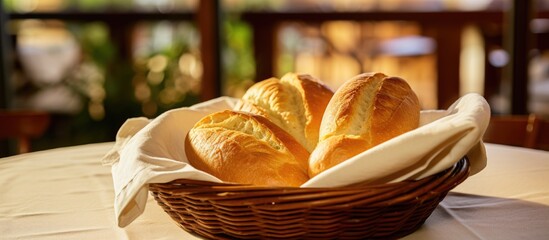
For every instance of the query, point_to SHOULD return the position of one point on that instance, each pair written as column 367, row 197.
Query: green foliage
column 119, row 77
column 238, row 59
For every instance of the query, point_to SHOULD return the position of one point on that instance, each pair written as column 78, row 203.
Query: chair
column 530, row 131
column 22, row 126
column 543, row 136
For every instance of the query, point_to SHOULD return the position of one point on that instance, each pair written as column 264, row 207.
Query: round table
column 66, row 193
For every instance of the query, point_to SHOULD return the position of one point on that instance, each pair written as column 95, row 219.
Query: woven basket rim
column 227, row 210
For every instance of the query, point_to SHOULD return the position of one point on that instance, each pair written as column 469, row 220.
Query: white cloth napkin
column 152, row 151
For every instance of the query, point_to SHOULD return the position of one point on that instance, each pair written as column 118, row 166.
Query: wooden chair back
column 529, row 131
column 23, row 126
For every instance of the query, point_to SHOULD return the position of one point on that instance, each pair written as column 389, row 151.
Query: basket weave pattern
column 228, row 211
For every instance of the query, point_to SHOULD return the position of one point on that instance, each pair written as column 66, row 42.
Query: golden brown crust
column 296, row 103
column 367, row 110
column 268, row 141
column 397, row 110
column 334, row 151
column 246, row 148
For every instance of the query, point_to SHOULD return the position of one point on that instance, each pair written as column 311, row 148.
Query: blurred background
column 92, row 64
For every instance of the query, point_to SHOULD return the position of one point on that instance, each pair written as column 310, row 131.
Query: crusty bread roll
column 296, row 103
column 245, row 148
column 365, row 111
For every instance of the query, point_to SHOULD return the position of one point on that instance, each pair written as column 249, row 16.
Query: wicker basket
column 229, row 211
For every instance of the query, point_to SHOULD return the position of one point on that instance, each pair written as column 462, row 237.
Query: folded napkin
column 152, row 151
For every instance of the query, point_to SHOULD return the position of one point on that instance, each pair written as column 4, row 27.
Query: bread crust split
column 365, row 111
column 245, row 148
column 296, row 103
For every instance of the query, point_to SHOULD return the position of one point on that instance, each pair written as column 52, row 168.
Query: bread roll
column 296, row 103
column 365, row 111
column 246, row 148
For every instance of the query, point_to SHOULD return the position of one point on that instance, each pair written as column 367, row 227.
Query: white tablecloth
column 66, row 193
